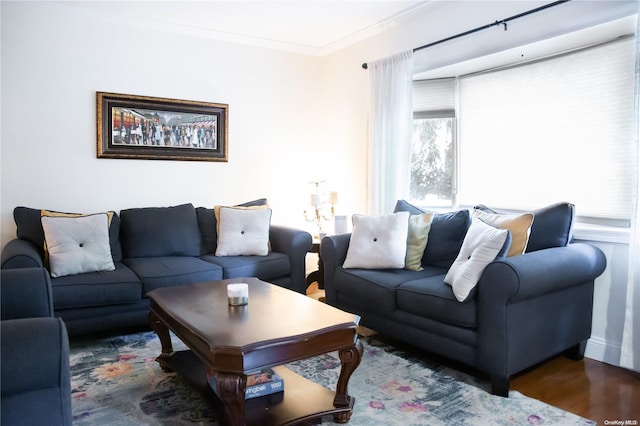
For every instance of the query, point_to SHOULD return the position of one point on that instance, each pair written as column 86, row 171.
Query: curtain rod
column 502, row 22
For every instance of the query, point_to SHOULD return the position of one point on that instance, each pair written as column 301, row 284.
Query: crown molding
column 75, row 10
column 377, row 28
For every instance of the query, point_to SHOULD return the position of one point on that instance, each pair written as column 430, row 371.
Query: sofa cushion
column 273, row 265
column 243, row 231
column 445, row 236
column 419, row 226
column 375, row 290
column 29, row 227
column 77, row 244
column 166, row 271
column 119, row 286
column 378, row 242
column 482, row 244
column 405, row 206
column 208, row 226
column 432, row 298
column 552, row 226
column 160, row 231
column 519, row 225
column 208, row 232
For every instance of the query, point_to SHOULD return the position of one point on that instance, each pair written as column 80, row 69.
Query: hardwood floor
column 588, row 388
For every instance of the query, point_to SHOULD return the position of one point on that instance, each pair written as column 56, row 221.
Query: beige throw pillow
column 419, row 227
column 518, row 224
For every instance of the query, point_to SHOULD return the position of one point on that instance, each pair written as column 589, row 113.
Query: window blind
column 558, row 129
column 434, row 98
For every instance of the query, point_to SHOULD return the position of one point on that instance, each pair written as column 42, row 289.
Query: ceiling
column 303, row 26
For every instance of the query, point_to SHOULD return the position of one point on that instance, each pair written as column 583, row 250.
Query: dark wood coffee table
column 276, row 327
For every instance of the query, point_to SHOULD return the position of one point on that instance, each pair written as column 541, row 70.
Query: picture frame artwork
column 143, row 127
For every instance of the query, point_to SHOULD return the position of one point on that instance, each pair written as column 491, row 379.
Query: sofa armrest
column 25, row 293
column 517, row 278
column 333, row 251
column 534, row 306
column 20, row 254
column 35, row 372
column 295, row 243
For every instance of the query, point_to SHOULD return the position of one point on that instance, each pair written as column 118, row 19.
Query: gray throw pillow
column 77, row 245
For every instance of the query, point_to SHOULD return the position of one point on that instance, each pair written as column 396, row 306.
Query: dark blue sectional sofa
column 152, row 247
column 525, row 308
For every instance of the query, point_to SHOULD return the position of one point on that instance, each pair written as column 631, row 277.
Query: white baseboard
column 603, row 351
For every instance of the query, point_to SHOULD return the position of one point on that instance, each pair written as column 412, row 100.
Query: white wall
column 54, row 61
column 609, row 304
column 293, row 118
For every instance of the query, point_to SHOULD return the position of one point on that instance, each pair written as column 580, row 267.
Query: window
column 556, row 129
column 432, row 161
column 433, row 143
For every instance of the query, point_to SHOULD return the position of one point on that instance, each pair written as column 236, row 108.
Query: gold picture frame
column 150, row 128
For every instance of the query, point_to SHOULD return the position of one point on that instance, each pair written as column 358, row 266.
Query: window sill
column 599, row 233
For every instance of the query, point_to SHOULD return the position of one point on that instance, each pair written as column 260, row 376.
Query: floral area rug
column 116, row 381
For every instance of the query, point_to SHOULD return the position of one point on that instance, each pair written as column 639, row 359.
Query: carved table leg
column 165, row 340
column 350, row 359
column 231, row 390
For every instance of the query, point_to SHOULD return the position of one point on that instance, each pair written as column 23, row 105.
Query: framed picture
column 149, row 128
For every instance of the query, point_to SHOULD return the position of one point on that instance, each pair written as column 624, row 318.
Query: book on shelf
column 261, row 383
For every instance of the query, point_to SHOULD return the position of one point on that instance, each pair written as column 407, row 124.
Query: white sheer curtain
column 630, row 351
column 390, row 130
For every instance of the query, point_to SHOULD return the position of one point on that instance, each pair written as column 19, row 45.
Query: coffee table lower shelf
column 302, row 402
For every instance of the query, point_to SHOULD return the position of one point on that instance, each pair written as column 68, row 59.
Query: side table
column 317, row 275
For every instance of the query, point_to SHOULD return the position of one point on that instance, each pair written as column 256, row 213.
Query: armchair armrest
column 21, row 254
column 35, row 372
column 295, row 243
column 25, row 293
column 518, row 278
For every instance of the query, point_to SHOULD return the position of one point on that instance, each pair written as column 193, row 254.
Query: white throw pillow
column 77, row 245
column 378, row 242
column 481, row 246
column 243, row 231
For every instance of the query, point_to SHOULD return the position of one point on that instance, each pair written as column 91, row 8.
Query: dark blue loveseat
column 524, row 310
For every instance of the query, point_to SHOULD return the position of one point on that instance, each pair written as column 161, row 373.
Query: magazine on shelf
column 264, row 382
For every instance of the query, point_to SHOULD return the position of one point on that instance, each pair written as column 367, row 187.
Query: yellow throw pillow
column 518, row 224
column 419, row 227
column 49, row 213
